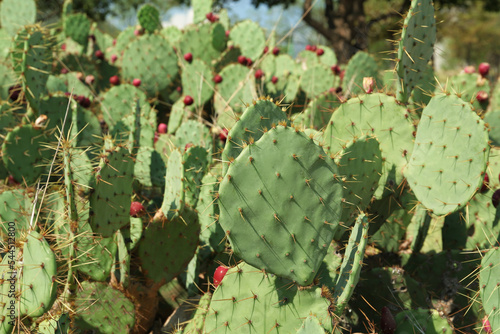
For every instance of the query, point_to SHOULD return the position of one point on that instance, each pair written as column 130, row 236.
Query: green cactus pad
column 351, row 265
column 318, row 112
column 193, row 132
column 195, row 163
column 118, row 102
column 416, row 46
column 152, row 59
column 280, row 204
column 34, row 264
column 77, row 27
column 149, row 168
column 249, row 37
column 110, row 199
column 172, row 34
column 167, row 247
column 252, row 301
column 59, row 324
column 381, row 116
column 32, row 60
column 15, row 207
column 360, row 167
column 24, row 154
column 197, row 323
column 7, row 79
column 285, row 69
column 208, row 212
column 100, row 307
column 317, row 80
column 448, row 161
column 467, row 86
column 423, row 321
column 492, row 118
column 311, row 326
column 54, row 107
column 204, row 41
column 197, row 82
column 361, row 65
column 149, row 18
column 255, row 121
column 489, row 286
column 178, row 114
column 173, row 199
column 200, row 9
column 15, row 14
column 236, row 90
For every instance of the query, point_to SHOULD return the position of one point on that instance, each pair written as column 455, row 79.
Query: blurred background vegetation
column 468, row 30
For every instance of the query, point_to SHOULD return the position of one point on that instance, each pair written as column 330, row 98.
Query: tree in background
column 346, row 25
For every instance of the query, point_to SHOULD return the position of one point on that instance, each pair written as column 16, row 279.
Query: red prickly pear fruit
column 314, row 48
column 138, row 32
column 14, row 92
column 276, row 51
column 188, row 100
column 188, row 145
column 387, row 321
column 341, row 75
column 64, row 70
column 219, row 274
column 179, row 89
column 162, row 128
column 217, row 78
column 266, row 49
column 484, row 68
column 249, row 62
column 482, row 96
column 136, row 209
column 274, row 79
column 308, row 47
column 209, row 16
column 336, row 69
column 136, row 82
column 114, row 42
column 320, row 52
column 99, row 54
column 114, row 80
column 92, row 37
column 495, row 199
column 469, row 69
column 223, row 135
column 188, row 57
column 487, row 325
column 486, row 182
column 227, row 33
column 242, row 60
column 63, row 46
column 113, row 58
column 259, row 74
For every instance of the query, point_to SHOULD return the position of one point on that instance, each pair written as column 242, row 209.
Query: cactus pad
column 450, row 154
column 282, row 191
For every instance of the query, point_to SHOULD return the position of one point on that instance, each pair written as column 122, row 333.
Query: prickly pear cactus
column 303, row 218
